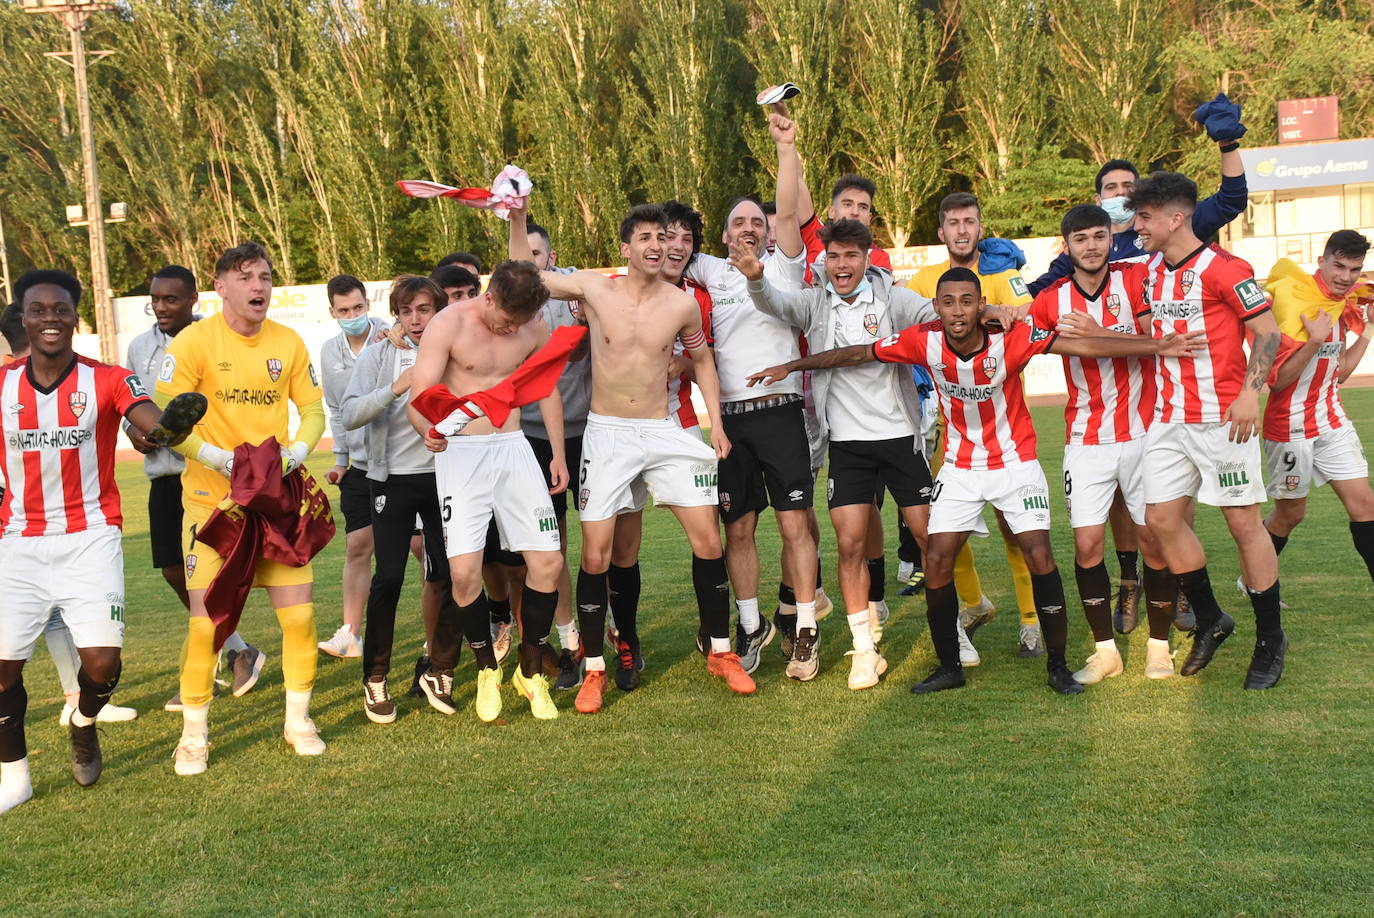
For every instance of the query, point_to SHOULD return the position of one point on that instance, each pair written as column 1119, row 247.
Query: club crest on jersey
column 190, row 565
column 989, row 365
column 379, row 503
column 724, row 498
column 77, row 402
column 582, row 498
column 1290, row 482
column 871, row 324
column 1186, row 279
column 274, row 368
column 1114, row 304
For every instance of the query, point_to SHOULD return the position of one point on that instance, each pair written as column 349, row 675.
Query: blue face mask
column 863, row 285
column 355, row 326
column 1117, row 210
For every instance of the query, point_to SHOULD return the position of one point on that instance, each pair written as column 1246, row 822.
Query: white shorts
column 493, row 475
column 623, row 459
column 1197, row 460
column 1294, row 468
column 79, row 575
column 1093, row 472
column 1019, row 491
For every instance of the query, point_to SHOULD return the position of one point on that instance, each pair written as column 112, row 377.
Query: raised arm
column 518, row 246
column 786, row 223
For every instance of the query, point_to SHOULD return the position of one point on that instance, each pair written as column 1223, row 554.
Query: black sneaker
column 628, row 663
column 1061, row 679
column 941, row 678
column 1184, row 617
column 421, row 667
column 914, row 584
column 703, row 640
column 570, row 667
column 1205, row 644
column 787, row 629
column 377, row 703
column 438, row 688
column 749, row 647
column 1126, row 615
column 1266, row 666
column 86, row 761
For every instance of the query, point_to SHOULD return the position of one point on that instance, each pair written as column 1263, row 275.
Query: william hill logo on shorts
column 1033, row 498
column 1233, row 479
column 547, row 521
column 704, row 475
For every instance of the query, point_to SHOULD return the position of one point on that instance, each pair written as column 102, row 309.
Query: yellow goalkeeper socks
column 298, row 648
column 966, row 582
column 1021, row 578
column 198, row 662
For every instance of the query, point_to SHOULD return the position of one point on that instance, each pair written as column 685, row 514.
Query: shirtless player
column 631, row 444
column 488, row 471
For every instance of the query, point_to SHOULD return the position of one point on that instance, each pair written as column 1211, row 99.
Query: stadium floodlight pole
column 74, row 15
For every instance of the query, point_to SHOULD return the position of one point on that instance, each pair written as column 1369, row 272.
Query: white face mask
column 1117, row 210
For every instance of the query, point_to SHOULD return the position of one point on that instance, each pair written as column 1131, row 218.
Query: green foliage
column 1038, row 192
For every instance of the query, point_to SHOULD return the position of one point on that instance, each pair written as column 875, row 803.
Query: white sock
column 806, row 614
column 748, row 614
column 297, row 708
column 596, row 664
column 859, row 630
column 235, row 643
column 79, row 719
column 195, row 721
column 1156, row 642
column 15, row 784
column 1109, row 644
column 720, row 645
column 568, row 638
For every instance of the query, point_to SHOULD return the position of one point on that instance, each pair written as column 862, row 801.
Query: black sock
column 712, row 585
column 476, row 621
column 1363, row 534
column 1048, row 590
column 1161, row 589
column 1095, row 589
column 1280, row 541
column 1130, row 568
column 94, row 695
column 1268, row 623
column 624, row 585
column 786, row 595
column 1197, row 586
column 536, row 613
column 877, row 578
column 14, row 703
column 942, row 616
column 820, row 577
column 500, row 611
column 593, row 596
column 447, row 641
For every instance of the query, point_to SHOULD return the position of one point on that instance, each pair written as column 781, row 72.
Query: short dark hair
column 847, row 232
column 770, row 208
column 1346, row 242
column 642, row 213
column 455, row 276
column 1164, row 188
column 1084, row 216
column 407, row 286
column 30, row 279
column 957, row 201
column 240, row 255
column 688, row 216
column 12, row 327
column 340, row 284
column 518, row 289
column 461, row 258
column 177, row 272
column 959, row 275
column 536, row 229
column 1114, row 165
column 850, row 180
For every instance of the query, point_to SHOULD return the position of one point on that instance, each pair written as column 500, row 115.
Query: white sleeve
column 705, row 269
column 786, row 273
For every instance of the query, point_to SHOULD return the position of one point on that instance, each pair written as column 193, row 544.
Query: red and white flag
column 511, row 188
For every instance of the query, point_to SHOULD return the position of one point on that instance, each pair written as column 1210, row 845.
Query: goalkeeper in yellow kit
column 248, row 367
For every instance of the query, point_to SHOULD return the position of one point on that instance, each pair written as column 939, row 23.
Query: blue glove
column 1221, row 118
column 995, row 255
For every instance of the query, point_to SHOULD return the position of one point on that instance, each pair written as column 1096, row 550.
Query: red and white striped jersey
column 1111, row 399
column 60, row 447
column 680, row 406
column 1312, row 405
column 988, row 425
column 1214, row 292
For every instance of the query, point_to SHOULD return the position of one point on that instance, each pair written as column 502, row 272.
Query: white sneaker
column 344, row 643
column 11, row 797
column 111, row 713
column 904, row 571
column 305, row 739
column 1240, row 585
column 975, row 617
column 1159, row 660
column 968, row 654
column 824, row 606
column 192, row 756
column 1105, row 663
column 1030, row 642
column 865, row 668
column 875, row 623
column 884, row 613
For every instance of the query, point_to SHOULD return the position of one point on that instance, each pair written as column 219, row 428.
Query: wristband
column 1230, row 147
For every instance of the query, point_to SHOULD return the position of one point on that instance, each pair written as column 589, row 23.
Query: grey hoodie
column 370, row 407
column 336, row 367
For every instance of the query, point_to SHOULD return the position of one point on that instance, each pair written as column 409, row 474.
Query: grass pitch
column 1182, row 797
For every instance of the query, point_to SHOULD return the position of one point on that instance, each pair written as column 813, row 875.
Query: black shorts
column 164, row 520
column 769, row 462
column 355, row 499
column 543, row 454
column 493, row 553
column 860, row 468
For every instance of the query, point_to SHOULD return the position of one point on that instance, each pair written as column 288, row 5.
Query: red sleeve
column 1025, row 341
column 1137, row 281
column 1044, row 312
column 704, row 304
column 811, row 239
column 124, row 388
column 1232, row 281
column 878, row 258
column 907, row 346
